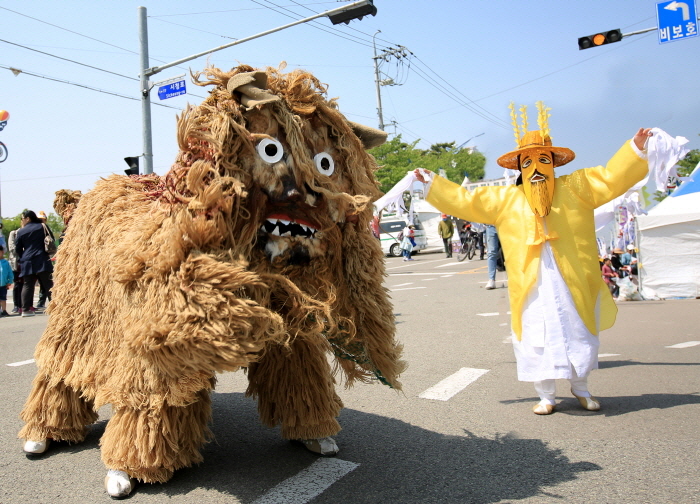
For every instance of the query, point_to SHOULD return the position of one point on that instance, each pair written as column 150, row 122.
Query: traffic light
column 133, row 163
column 598, row 39
column 353, row 13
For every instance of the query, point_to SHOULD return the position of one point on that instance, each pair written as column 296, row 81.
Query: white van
column 389, row 229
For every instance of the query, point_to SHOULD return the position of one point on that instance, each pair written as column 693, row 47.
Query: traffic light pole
column 147, row 72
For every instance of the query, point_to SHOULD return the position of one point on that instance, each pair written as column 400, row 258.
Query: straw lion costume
column 253, row 251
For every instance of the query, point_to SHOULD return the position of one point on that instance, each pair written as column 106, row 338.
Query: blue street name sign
column 677, row 20
column 172, row 89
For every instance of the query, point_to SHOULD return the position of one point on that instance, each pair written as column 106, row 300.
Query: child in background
column 6, row 279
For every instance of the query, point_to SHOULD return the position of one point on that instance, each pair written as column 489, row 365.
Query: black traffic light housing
column 598, row 39
column 354, row 13
column 133, row 163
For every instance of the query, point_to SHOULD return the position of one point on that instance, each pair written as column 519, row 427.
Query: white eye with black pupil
column 270, row 150
column 324, row 163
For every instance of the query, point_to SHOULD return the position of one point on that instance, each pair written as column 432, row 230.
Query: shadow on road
column 399, row 462
column 619, row 363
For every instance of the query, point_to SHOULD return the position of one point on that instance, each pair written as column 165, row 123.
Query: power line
column 70, row 31
column 17, row 71
column 314, row 24
column 70, row 60
column 228, row 10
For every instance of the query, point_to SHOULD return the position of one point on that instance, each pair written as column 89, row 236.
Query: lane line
column 607, row 355
column 14, row 364
column 453, row 384
column 685, row 345
column 429, row 279
column 308, row 483
column 488, row 314
column 403, row 285
column 432, row 273
column 407, row 288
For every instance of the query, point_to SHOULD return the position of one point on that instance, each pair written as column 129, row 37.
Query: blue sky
column 468, row 60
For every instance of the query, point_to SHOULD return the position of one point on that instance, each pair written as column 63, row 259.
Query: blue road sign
column 172, row 89
column 677, row 20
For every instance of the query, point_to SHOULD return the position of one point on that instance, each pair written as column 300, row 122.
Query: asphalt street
column 460, row 431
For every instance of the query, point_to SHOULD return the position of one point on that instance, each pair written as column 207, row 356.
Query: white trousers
column 547, row 389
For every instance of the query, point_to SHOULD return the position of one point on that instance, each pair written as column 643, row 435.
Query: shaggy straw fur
column 163, row 281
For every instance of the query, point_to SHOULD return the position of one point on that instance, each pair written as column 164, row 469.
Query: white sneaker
column 323, row 446
column 36, row 447
column 491, row 284
column 118, row 484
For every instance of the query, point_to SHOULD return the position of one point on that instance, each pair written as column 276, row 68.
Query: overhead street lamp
column 344, row 14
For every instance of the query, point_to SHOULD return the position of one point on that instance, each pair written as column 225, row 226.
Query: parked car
column 390, row 227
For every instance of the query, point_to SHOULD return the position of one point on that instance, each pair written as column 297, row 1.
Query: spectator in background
column 34, row 262
column 479, row 229
column 626, row 258
column 6, row 279
column 43, row 295
column 407, row 242
column 609, row 275
column 493, row 249
column 14, row 264
column 446, row 230
column 2, row 238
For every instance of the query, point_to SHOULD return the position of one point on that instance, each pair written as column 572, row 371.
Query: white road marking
column 446, row 276
column 488, row 314
column 429, row 279
column 448, row 264
column 685, row 345
column 607, row 355
column 403, row 285
column 407, row 288
column 452, row 384
column 433, row 273
column 21, row 363
column 309, row 483
column 503, row 324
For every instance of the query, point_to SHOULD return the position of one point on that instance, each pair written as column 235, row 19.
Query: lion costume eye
column 324, row 163
column 270, row 150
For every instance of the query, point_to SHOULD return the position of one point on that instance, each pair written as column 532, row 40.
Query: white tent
column 669, row 245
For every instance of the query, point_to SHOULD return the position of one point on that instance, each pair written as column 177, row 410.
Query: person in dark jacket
column 35, row 263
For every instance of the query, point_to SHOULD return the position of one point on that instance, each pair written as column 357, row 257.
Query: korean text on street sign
column 172, row 89
column 677, row 20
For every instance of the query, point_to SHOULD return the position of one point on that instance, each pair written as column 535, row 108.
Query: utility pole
column 400, row 52
column 376, row 81
column 344, row 14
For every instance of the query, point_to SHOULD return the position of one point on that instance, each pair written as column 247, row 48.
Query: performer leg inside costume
column 555, row 342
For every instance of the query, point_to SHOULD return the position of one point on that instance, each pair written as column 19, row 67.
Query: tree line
column 396, row 157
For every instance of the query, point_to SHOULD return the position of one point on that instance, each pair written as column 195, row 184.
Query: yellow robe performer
column 570, row 227
column 545, row 218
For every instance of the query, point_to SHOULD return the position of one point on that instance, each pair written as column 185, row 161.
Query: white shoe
column 36, row 447
column 118, row 484
column 491, row 284
column 323, row 446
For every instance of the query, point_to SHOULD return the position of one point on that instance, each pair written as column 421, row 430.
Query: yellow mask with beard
column 536, row 159
column 537, row 169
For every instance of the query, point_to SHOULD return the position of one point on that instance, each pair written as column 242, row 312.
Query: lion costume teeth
column 282, row 227
column 253, row 251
